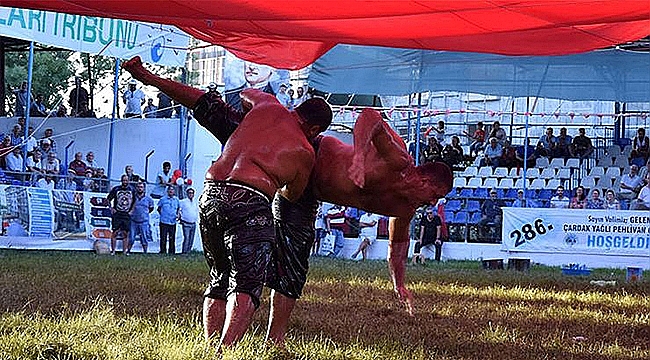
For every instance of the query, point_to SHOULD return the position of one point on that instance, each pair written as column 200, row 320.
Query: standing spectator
column 163, row 181
column 490, row 214
column 52, row 164
column 68, row 182
column 430, row 233
column 134, row 99
column 78, row 165
column 46, row 182
column 630, row 183
column 335, row 222
column 438, row 132
column 16, row 135
column 492, row 153
column 189, row 215
column 579, row 200
column 548, row 142
column 368, row 224
column 122, row 200
column 595, row 202
column 478, row 139
column 5, row 149
column 452, row 154
column 38, row 107
column 164, row 106
column 78, row 100
column 150, row 111
column 498, row 133
column 48, row 135
column 21, row 99
column 133, row 178
column 140, row 226
column 582, row 147
column 640, row 145
column 559, row 200
column 46, row 148
column 520, row 201
column 61, row 111
column 102, row 181
column 319, row 229
column 611, row 203
column 90, row 161
column 168, row 208
column 563, row 144
column 14, row 160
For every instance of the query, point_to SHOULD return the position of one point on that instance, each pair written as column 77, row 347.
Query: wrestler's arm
column 398, row 247
column 294, row 189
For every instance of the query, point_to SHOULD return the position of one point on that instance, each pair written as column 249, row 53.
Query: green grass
column 74, row 305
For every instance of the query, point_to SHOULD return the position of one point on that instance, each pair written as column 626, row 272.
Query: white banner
column 573, row 231
column 155, row 44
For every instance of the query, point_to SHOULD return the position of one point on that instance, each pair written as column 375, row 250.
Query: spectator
column 521, row 201
column 78, row 100
column 164, row 106
column 492, row 153
column 122, row 200
column 541, row 151
column 48, row 135
column 368, row 224
column 595, row 202
column 335, row 222
column 498, row 133
column 579, row 201
column 163, row 180
column 212, row 89
column 140, row 226
column 21, row 99
column 189, row 214
column 46, row 182
column 5, row 149
column 582, row 147
column 563, row 144
column 168, row 208
column 529, row 154
column 46, row 148
column 90, row 161
column 102, row 181
column 478, row 139
column 452, row 154
column 52, row 164
column 490, row 214
column 559, row 200
column 438, row 132
column 630, row 184
column 283, row 97
column 508, row 156
column 17, row 135
column 38, row 107
column 78, row 165
column 640, row 145
column 32, row 143
column 319, row 229
column 433, row 150
column 134, row 99
column 150, row 111
column 430, row 233
column 88, row 182
column 34, row 164
column 68, row 182
column 61, row 111
column 611, row 203
column 548, row 142
column 643, row 172
column 14, row 160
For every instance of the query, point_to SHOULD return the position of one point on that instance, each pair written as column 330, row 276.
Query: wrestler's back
column 266, row 151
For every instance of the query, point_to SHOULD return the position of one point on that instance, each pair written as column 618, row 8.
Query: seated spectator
column 582, row 147
column 37, row 108
column 68, row 182
column 433, row 150
column 530, row 155
column 46, row 148
column 548, row 142
column 88, row 182
column 611, row 203
column 150, row 111
column 61, row 111
column 563, row 144
column 34, row 164
column 133, row 178
column 48, row 135
column 498, row 133
column 521, row 201
column 5, row 149
column 14, row 160
column 541, row 151
column 640, row 145
column 630, row 184
column 452, row 154
column 492, row 153
column 490, row 214
column 90, row 161
column 45, row 182
column 32, row 143
column 508, row 156
column 478, row 139
column 559, row 200
column 643, row 172
column 17, row 135
column 580, row 199
column 642, row 202
column 52, row 164
column 78, row 165
column 595, row 202
column 103, row 184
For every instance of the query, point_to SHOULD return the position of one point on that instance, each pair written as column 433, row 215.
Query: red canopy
column 292, row 34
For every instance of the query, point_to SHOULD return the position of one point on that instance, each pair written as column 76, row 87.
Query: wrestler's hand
column 406, row 298
column 135, row 68
column 357, row 171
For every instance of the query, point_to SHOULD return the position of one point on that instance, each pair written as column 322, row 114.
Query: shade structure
column 293, row 34
column 615, row 75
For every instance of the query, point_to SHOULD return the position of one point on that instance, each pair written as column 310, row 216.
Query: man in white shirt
column 52, row 165
column 189, row 214
column 629, row 182
column 368, row 224
column 642, row 202
column 560, row 201
column 15, row 160
column 134, row 99
column 45, row 182
column 32, row 143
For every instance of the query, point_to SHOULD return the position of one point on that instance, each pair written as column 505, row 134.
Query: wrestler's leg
column 281, row 308
column 239, row 315
column 214, row 316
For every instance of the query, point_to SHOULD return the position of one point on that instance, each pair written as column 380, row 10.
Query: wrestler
column 295, row 230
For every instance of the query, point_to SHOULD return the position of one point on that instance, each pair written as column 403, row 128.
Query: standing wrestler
column 297, row 218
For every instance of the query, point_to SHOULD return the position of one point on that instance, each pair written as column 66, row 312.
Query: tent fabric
column 615, row 75
column 293, row 34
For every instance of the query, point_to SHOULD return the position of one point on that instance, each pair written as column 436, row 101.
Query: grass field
column 73, row 305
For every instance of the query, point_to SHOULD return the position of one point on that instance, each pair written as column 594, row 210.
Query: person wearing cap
column 47, row 135
column 134, row 99
column 46, row 147
column 79, row 99
column 521, row 201
column 91, row 163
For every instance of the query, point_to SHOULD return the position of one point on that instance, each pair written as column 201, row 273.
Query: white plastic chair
column 513, row 173
column 547, row 173
column 614, row 150
column 460, row 182
column 588, row 182
column 519, row 184
column 538, row 184
column 557, row 163
column 572, row 163
column 613, row 171
column 597, row 171
column 554, row 183
column 475, row 182
column 563, row 174
column 605, row 161
column 500, row 172
column 485, row 172
column 532, row 173
column 470, row 171
column 506, row 183
column 541, row 162
column 490, row 183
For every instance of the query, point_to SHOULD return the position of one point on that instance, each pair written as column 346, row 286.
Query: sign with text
column 155, row 44
column 598, row 232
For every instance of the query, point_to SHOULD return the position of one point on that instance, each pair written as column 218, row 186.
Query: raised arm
column 398, row 247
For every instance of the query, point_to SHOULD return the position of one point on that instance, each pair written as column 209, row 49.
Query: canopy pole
column 182, row 140
column 28, row 104
column 113, row 119
column 417, row 131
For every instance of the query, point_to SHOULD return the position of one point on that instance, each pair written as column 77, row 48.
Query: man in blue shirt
column 168, row 207
column 140, row 217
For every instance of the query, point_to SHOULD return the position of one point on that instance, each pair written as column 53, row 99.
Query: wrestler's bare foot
column 406, row 298
column 357, row 171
